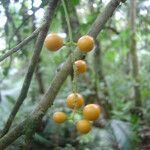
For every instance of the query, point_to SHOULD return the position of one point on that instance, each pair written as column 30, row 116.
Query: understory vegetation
column 96, row 50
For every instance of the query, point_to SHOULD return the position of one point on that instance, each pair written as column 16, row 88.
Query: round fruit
column 53, row 42
column 59, row 117
column 75, row 100
column 80, row 66
column 91, row 112
column 85, row 43
column 83, row 126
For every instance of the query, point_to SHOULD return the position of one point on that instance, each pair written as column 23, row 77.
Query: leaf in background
column 98, row 139
column 75, row 2
column 10, row 99
column 42, row 140
column 124, row 135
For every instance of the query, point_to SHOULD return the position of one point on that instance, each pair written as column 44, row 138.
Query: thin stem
column 21, row 44
column 74, row 82
column 68, row 21
column 74, row 87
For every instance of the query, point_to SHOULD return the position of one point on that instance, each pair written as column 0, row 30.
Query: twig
column 23, row 22
column 10, row 19
column 34, row 61
column 61, row 76
column 112, row 29
column 24, row 42
column 20, row 45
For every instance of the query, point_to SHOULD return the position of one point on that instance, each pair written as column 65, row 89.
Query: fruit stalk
column 74, row 82
column 67, row 20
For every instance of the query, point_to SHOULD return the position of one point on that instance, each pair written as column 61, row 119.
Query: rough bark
column 61, row 76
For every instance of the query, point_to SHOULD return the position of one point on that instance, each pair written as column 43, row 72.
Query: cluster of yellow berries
column 91, row 112
column 54, row 42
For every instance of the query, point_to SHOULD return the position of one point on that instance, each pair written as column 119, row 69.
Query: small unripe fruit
column 91, row 112
column 83, row 126
column 75, row 100
column 53, row 42
column 80, row 66
column 59, row 117
column 85, row 43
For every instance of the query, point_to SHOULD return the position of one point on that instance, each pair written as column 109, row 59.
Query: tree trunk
column 133, row 52
column 99, row 76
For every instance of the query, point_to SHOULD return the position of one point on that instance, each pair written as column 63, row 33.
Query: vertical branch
column 134, row 57
column 68, row 21
column 75, row 25
column 98, row 68
column 38, row 73
column 99, row 75
column 33, row 63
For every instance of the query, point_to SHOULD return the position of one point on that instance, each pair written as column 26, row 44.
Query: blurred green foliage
column 121, row 130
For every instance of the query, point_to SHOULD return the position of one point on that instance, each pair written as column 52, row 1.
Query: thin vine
column 71, row 45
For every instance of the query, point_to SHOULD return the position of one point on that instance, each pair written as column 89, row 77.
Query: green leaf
column 40, row 139
column 75, row 2
column 125, row 137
